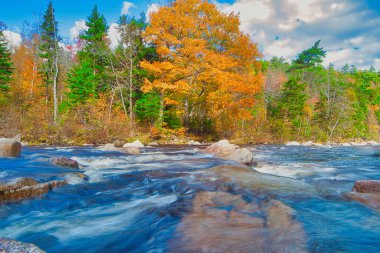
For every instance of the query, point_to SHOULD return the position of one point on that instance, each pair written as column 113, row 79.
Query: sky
column 348, row 29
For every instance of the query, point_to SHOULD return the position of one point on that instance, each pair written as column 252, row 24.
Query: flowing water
column 130, row 203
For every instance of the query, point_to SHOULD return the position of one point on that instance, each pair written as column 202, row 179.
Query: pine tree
column 96, row 46
column 49, row 53
column 82, row 84
column 5, row 63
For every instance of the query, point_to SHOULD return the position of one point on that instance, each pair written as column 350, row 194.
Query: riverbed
column 140, row 203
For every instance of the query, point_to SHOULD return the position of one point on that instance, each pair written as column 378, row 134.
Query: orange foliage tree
column 207, row 67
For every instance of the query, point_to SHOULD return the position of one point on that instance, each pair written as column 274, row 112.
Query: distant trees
column 6, row 68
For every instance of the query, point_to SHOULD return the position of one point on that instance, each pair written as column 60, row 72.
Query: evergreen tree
column 293, row 101
column 49, row 53
column 310, row 57
column 82, row 84
column 96, row 46
column 5, row 63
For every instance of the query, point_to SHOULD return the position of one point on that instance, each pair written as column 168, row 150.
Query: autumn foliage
column 207, row 68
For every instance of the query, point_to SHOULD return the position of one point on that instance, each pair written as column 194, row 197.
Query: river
column 138, row 203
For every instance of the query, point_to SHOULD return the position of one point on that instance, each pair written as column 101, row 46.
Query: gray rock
column 118, row 144
column 132, row 150
column 11, row 246
column 135, row 144
column 9, row 148
column 224, row 149
column 65, row 162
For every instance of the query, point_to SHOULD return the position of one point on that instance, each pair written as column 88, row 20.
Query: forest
column 188, row 73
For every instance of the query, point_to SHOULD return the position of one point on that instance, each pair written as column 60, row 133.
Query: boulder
column 11, row 246
column 194, row 143
column 118, row 143
column 241, row 155
column 223, row 222
column 9, row 148
column 135, row 144
column 224, row 149
column 367, row 186
column 65, row 162
column 154, row 143
column 293, row 143
column 132, row 150
column 21, row 188
column 307, row 144
column 368, row 199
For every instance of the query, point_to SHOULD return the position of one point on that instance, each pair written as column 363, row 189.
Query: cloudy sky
column 349, row 29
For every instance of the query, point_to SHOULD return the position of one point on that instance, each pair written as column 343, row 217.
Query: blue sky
column 349, row 29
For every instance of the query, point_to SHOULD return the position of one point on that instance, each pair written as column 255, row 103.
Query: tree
column 82, row 84
column 207, row 67
column 49, row 53
column 5, row 64
column 96, row 46
column 310, row 57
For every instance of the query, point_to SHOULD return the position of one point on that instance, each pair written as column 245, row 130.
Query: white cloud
column 126, row 7
column 348, row 29
column 114, row 35
column 79, row 26
column 151, row 8
column 14, row 39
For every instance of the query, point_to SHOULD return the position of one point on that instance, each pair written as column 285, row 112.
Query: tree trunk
column 161, row 112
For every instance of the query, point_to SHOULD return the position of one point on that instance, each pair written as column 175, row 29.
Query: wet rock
column 21, row 188
column 368, row 199
column 241, row 155
column 65, row 162
column 246, row 177
column 293, row 143
column 224, row 149
column 223, row 222
column 9, row 148
column 11, row 246
column 132, row 150
column 135, row 144
column 118, row 144
column 367, row 186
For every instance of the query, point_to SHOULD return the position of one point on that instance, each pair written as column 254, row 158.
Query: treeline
column 190, row 71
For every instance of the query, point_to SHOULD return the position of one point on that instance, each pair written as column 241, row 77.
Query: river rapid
column 150, row 202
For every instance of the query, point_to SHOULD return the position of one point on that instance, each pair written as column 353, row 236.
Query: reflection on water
column 174, row 200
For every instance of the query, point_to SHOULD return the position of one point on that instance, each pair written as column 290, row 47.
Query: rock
column 194, row 143
column 368, row 199
column 255, row 226
column 224, row 149
column 346, row 144
column 293, row 143
column 241, row 155
column 246, row 177
column 21, row 188
column 118, row 144
column 359, row 144
column 132, row 150
column 108, row 147
column 373, row 143
column 367, row 186
column 135, row 144
column 307, row 144
column 9, row 148
column 154, row 143
column 11, row 246
column 65, row 162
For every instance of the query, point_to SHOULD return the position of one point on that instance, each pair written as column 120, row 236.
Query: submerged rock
column 21, row 188
column 135, row 144
column 11, row 246
column 367, row 186
column 132, row 150
column 9, row 148
column 65, row 162
column 224, row 149
column 222, row 222
column 246, row 177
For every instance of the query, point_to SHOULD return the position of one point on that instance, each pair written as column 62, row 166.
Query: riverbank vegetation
column 189, row 72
